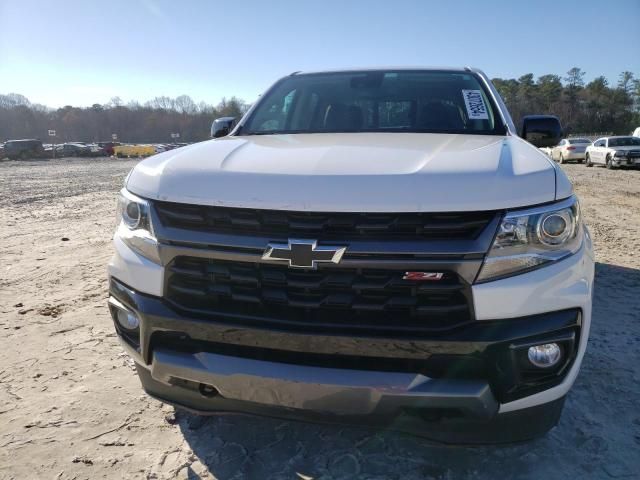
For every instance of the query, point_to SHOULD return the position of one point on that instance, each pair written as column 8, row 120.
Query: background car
column 570, row 149
column 23, row 149
column 108, row 147
column 48, row 150
column 614, row 152
column 96, row 150
column 546, row 151
column 72, row 150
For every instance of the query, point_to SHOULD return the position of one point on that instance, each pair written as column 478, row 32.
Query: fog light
column 127, row 320
column 545, row 356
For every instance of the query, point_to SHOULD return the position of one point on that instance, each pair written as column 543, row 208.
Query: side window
column 599, row 143
column 562, row 143
column 275, row 116
column 286, row 104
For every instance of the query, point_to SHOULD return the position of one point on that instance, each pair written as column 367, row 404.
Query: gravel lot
column 71, row 405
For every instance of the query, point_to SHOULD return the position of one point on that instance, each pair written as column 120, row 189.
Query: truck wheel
column 588, row 161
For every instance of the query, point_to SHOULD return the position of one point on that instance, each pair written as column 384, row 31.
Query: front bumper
column 454, row 384
column 465, row 385
column 426, row 422
column 626, row 161
column 332, row 391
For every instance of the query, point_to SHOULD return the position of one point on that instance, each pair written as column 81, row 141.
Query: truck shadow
column 594, row 438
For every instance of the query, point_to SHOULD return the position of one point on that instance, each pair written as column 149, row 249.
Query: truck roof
column 390, row 68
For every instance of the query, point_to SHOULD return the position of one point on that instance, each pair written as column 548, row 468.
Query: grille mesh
column 328, row 298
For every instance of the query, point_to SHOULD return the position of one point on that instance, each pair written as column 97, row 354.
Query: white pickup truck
column 375, row 247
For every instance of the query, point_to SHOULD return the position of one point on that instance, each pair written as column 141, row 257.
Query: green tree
column 549, row 93
column 575, row 84
column 625, row 82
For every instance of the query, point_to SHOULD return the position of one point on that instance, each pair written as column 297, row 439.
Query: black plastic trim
column 446, row 426
column 489, row 340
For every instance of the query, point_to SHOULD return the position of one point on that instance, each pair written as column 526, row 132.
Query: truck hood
column 383, row 172
column 626, row 148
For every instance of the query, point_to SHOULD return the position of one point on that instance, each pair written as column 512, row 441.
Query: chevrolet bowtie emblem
column 303, row 253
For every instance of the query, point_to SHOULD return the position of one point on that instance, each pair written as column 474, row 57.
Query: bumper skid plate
column 323, row 390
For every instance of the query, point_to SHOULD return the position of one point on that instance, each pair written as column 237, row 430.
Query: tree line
column 594, row 107
column 152, row 122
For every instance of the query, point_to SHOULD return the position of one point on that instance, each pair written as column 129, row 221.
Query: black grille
column 343, row 226
column 333, row 299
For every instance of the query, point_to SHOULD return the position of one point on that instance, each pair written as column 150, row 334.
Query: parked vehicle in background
column 614, row 152
column 23, row 149
column 72, row 149
column 108, row 147
column 546, row 150
column 319, row 261
column 636, row 132
column 96, row 150
column 1, row 151
column 48, row 150
column 570, row 149
column 134, row 150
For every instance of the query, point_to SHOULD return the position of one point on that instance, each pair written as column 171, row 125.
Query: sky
column 84, row 52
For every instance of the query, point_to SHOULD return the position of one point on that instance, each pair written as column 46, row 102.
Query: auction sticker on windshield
column 476, row 109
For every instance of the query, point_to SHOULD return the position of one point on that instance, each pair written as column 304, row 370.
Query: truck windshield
column 624, row 142
column 376, row 101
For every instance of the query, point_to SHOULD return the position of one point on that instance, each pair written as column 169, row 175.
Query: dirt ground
column 71, row 405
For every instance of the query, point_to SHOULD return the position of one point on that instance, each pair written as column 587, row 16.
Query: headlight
column 532, row 238
column 620, row 153
column 135, row 227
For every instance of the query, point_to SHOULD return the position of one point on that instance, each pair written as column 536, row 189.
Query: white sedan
column 570, row 149
column 614, row 152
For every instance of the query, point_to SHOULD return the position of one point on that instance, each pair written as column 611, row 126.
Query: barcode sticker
column 476, row 109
